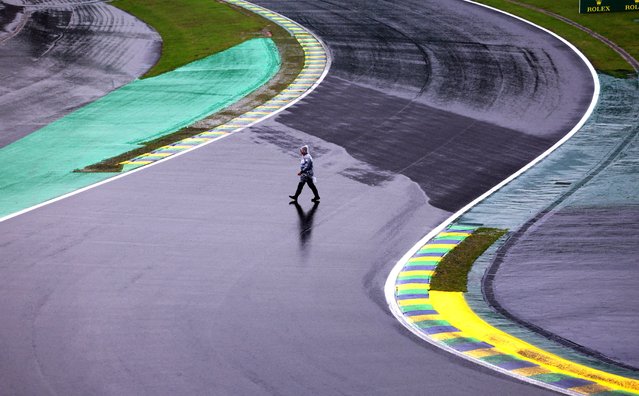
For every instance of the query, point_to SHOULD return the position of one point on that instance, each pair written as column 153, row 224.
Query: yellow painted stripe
column 177, row 147
column 484, row 352
column 590, row 389
column 413, row 301
column 440, row 246
column 442, row 336
column 530, row 371
column 453, row 307
column 156, row 155
column 136, row 162
column 431, row 259
column 418, row 272
column 454, row 234
column 419, row 318
column 213, row 134
column 411, row 286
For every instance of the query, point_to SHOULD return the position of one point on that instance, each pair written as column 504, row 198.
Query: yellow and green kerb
column 446, row 320
column 315, row 64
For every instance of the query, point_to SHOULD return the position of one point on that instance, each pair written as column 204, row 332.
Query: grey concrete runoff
column 569, row 270
column 58, row 55
column 196, row 276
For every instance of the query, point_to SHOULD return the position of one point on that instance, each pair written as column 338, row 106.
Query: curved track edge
column 390, row 287
column 317, row 62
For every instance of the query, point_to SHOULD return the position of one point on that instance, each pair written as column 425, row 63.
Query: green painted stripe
column 496, row 359
column 410, row 291
column 460, row 340
column 551, row 377
column 408, row 265
column 434, row 250
column 450, row 238
column 419, row 307
column 404, row 277
column 460, row 227
column 425, row 324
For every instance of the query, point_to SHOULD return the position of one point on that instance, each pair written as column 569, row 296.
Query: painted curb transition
column 317, row 62
column 445, row 320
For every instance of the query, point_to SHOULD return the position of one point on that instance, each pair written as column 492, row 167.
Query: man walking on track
column 306, row 175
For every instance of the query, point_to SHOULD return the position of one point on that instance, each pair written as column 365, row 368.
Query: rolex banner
column 599, row 6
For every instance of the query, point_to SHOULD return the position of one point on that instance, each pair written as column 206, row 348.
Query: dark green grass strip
column 452, row 272
column 194, row 29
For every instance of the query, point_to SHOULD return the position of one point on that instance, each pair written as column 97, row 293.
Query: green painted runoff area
column 40, row 166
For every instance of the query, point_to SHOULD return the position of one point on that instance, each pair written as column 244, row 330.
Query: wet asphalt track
column 196, row 276
column 56, row 56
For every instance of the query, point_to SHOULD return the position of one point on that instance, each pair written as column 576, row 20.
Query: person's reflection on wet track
column 306, row 221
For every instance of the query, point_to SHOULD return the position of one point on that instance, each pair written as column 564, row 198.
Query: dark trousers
column 310, row 184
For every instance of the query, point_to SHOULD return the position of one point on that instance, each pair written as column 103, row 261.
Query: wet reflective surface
column 410, row 88
column 196, row 276
column 56, row 56
column 306, row 221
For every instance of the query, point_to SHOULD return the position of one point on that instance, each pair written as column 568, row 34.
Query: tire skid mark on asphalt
column 316, row 64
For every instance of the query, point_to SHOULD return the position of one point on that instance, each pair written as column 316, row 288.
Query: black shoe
column 316, row 199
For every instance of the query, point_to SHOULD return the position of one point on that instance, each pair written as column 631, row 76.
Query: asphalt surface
column 588, row 263
column 56, row 56
column 426, row 87
column 196, row 276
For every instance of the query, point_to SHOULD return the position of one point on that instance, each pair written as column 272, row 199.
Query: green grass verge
column 194, row 29
column 617, row 27
column 452, row 272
